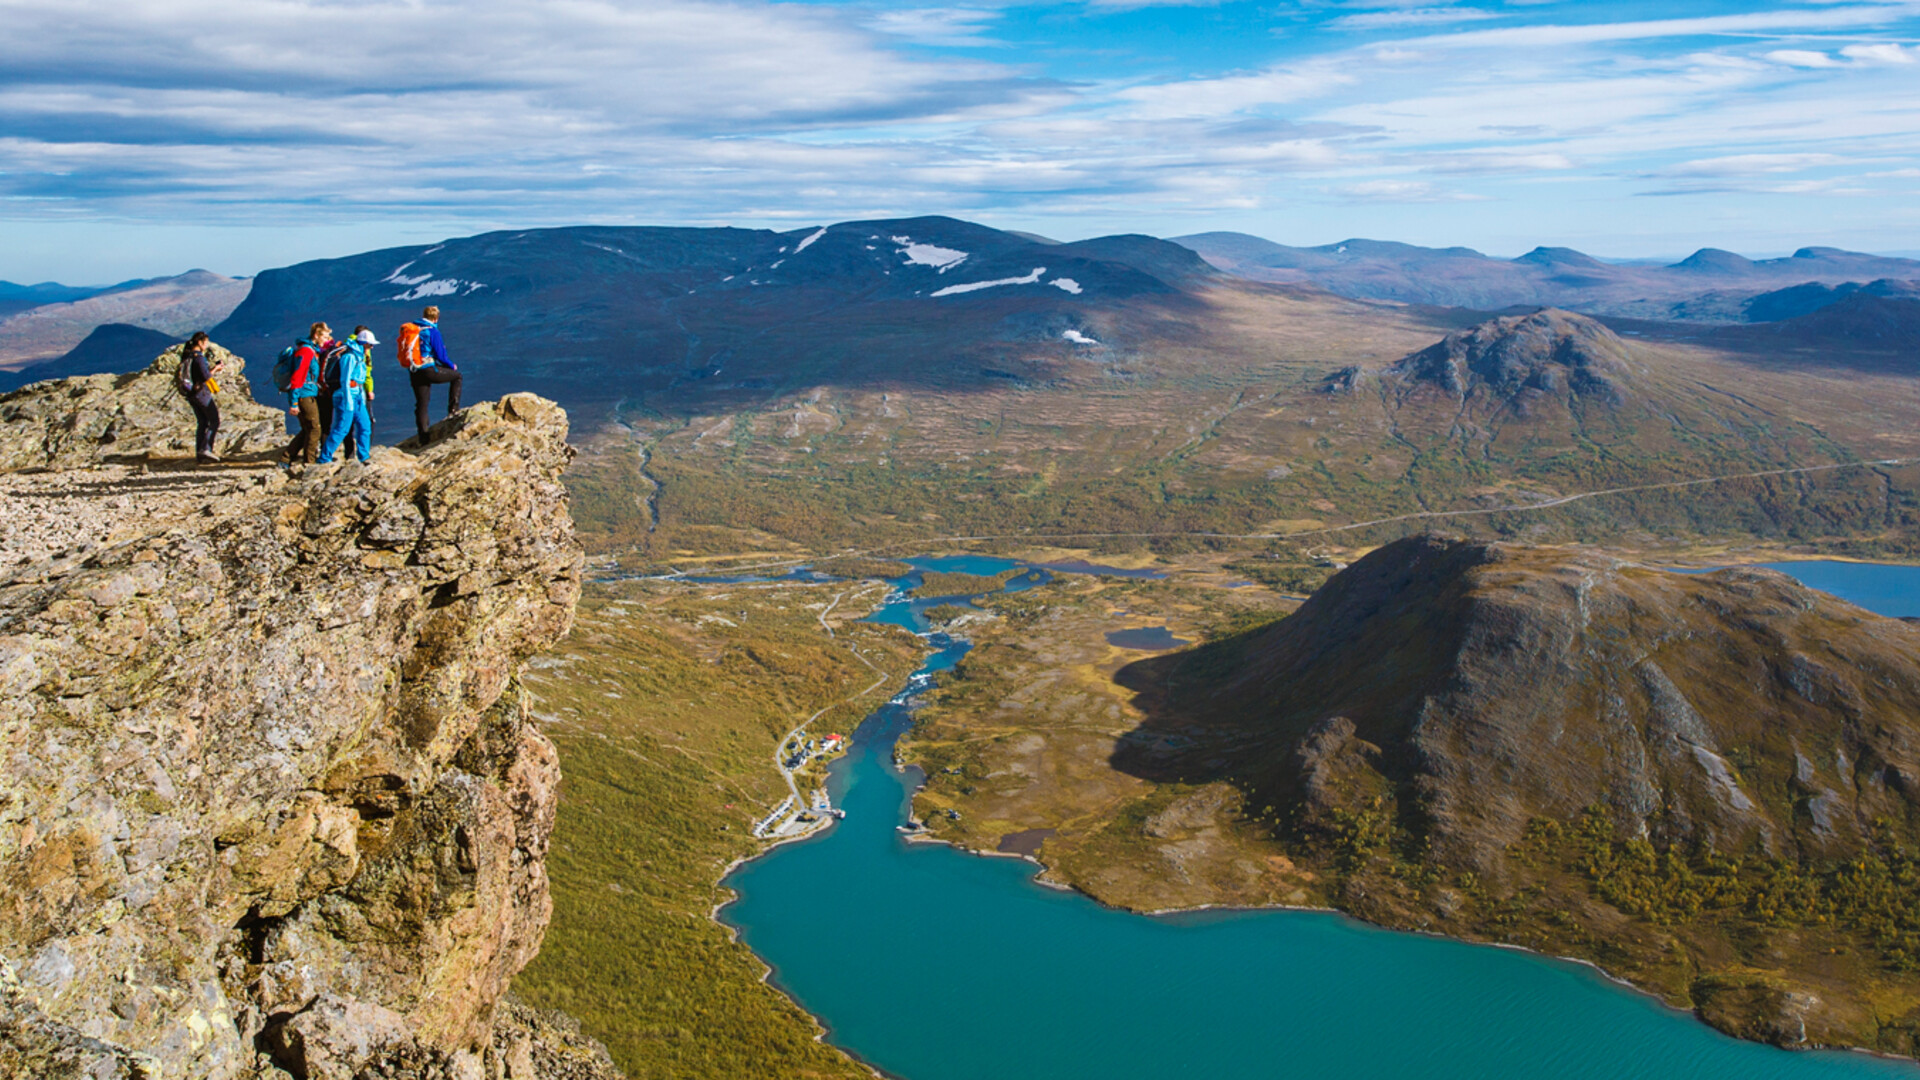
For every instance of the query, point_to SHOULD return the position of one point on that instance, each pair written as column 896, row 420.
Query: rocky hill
column 272, row 805
column 90, row 419
column 1515, row 361
column 1710, row 783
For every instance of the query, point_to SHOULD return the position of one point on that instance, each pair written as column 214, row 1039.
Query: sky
column 144, row 137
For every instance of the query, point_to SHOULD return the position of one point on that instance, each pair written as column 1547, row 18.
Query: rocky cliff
column 271, row 803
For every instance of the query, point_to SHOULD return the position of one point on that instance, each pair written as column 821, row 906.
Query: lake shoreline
column 918, row 837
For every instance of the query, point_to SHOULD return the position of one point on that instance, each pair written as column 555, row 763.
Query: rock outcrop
column 1548, row 354
column 270, row 801
column 88, row 419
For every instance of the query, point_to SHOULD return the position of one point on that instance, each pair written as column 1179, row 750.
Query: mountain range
column 1708, row 286
column 175, row 306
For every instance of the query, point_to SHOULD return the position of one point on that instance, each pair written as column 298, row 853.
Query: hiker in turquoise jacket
column 350, row 398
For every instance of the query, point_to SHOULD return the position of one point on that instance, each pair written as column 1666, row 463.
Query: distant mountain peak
column 1560, row 257
column 1715, row 259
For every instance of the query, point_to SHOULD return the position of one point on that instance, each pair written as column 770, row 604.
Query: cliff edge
column 271, row 803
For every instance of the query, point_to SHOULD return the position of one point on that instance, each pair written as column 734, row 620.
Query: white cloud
column 1881, row 53
column 1419, row 16
column 1408, row 191
column 1802, row 58
column 938, row 26
column 1753, row 164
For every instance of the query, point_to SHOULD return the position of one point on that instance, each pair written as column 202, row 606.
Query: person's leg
column 213, row 423
column 309, row 430
column 453, row 394
column 324, row 401
column 341, row 416
column 362, row 430
column 206, row 418
column 422, row 391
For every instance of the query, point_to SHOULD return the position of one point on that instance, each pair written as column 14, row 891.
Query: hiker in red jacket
column 302, row 394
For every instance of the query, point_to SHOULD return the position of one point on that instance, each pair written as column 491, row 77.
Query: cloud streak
column 274, row 113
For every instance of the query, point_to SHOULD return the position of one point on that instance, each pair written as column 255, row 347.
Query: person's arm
column 201, row 372
column 303, row 362
column 439, row 347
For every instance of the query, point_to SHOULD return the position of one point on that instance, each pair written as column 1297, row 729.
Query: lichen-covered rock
column 269, row 799
column 88, row 419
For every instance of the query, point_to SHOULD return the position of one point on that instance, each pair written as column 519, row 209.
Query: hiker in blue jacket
column 302, row 390
column 441, row 369
column 350, row 378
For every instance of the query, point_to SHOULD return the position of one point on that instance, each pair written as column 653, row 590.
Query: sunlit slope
column 1248, row 409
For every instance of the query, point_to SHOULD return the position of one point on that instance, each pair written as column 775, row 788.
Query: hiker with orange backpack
column 424, row 355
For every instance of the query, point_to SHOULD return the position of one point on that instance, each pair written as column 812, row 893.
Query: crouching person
column 350, row 398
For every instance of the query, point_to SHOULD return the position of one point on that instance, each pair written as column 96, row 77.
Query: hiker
column 196, row 382
column 424, row 354
column 302, row 388
column 329, row 369
column 350, row 374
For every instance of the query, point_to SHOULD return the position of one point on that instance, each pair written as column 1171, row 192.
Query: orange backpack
column 408, row 346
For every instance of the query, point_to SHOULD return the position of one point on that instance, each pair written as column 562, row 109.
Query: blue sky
column 140, row 137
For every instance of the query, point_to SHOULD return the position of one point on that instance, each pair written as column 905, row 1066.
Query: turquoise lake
column 932, row 964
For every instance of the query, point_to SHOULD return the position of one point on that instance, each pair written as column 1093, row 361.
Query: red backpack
column 408, row 346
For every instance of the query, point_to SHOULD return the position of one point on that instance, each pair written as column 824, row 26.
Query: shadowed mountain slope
column 595, row 315
column 111, row 349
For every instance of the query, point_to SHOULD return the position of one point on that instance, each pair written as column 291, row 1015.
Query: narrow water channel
column 932, row 964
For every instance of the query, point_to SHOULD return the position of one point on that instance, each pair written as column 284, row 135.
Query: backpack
column 330, row 366
column 407, row 345
column 284, row 368
column 183, row 378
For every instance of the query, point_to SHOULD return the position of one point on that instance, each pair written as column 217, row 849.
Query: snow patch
column 808, row 242
column 437, row 287
column 776, row 264
column 395, row 278
column 1066, row 284
column 1079, row 338
column 975, row 286
column 941, row 258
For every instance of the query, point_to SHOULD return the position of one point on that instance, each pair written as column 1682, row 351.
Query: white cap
column 365, row 337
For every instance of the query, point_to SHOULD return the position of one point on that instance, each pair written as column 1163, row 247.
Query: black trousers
column 424, row 379
column 206, row 415
column 324, row 402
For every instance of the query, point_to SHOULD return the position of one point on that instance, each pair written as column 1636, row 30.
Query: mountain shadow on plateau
column 685, row 319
